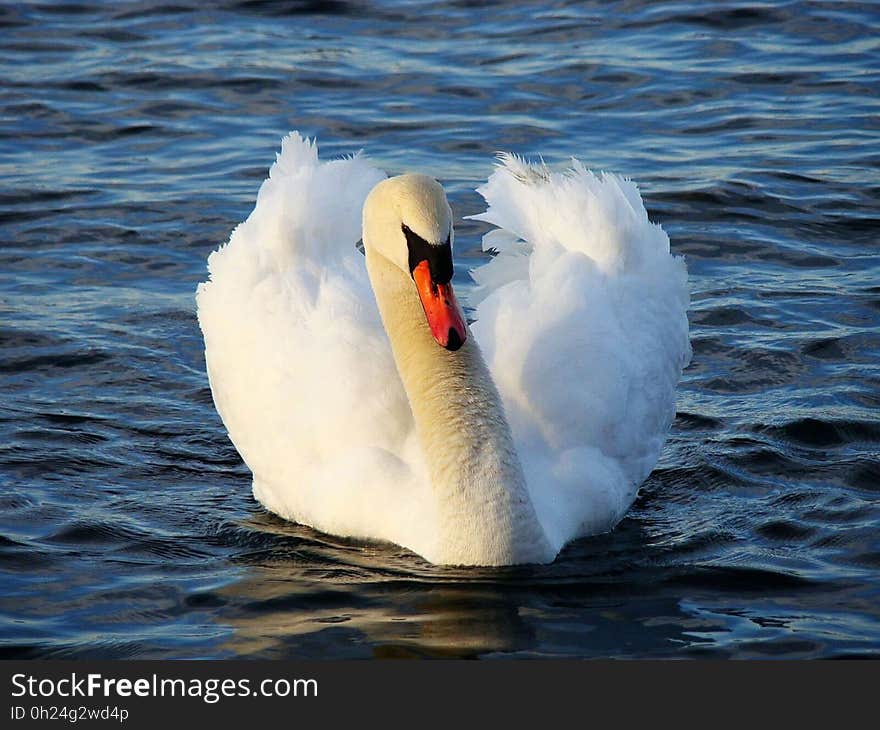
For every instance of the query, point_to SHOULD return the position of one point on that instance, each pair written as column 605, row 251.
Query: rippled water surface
column 134, row 137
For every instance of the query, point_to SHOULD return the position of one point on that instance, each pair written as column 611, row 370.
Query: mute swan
column 383, row 415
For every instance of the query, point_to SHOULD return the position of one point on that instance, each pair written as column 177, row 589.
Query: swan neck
column 485, row 514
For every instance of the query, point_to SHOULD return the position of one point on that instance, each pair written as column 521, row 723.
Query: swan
column 367, row 406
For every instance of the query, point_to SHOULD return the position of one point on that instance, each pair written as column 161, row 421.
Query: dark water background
column 134, row 136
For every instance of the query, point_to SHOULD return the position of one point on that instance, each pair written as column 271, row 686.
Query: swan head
column 408, row 221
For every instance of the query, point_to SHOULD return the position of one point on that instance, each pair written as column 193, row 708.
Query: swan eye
column 438, row 255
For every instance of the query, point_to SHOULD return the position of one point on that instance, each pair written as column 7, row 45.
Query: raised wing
column 300, row 367
column 581, row 316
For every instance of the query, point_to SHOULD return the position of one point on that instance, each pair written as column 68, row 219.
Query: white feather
column 580, row 316
column 299, row 364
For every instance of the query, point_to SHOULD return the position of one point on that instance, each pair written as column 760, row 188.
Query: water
column 134, row 137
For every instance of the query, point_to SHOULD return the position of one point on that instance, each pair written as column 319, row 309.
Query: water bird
column 366, row 404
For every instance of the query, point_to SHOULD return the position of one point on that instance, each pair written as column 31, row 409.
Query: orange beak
column 442, row 311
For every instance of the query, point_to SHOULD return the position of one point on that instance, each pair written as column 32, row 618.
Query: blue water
column 134, row 137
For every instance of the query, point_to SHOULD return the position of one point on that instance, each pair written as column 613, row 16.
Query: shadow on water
column 305, row 592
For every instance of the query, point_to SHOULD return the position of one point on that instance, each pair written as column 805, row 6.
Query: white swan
column 374, row 414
